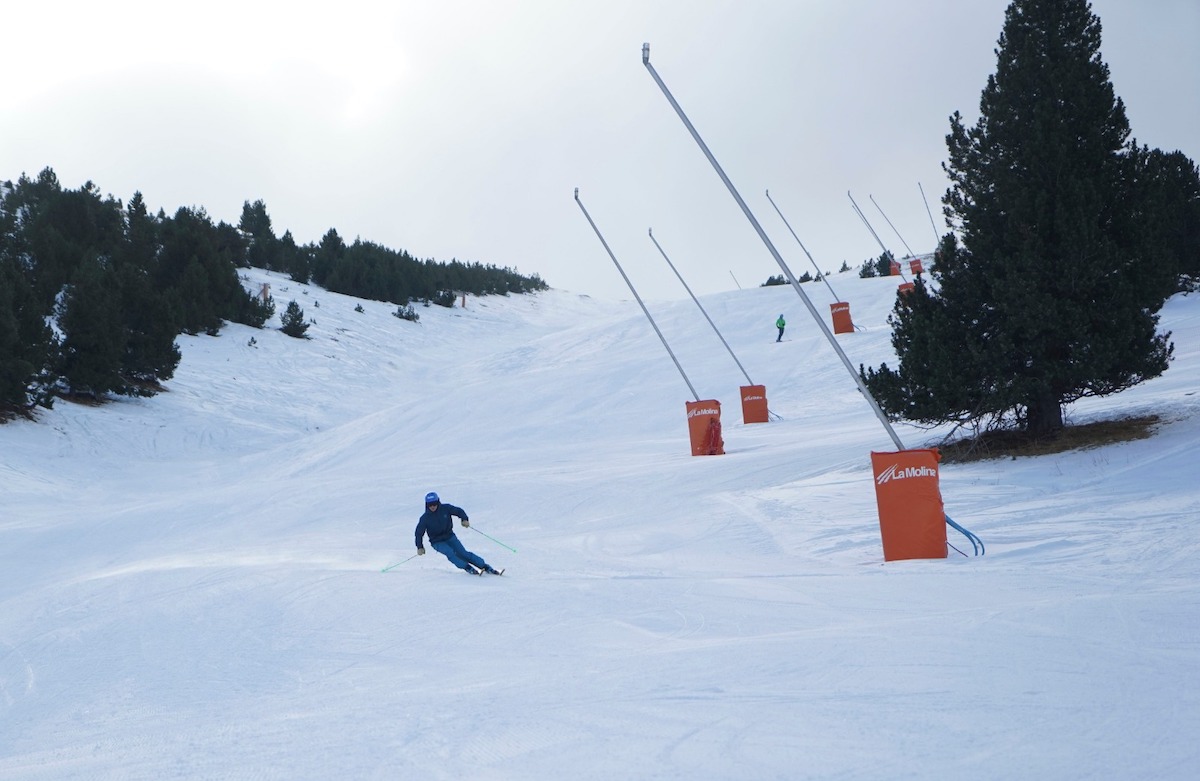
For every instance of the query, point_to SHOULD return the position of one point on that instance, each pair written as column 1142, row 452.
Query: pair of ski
column 486, row 572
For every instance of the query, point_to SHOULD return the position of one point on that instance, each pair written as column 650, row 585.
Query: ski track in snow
column 192, row 582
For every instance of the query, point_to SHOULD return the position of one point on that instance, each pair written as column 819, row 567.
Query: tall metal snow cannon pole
column 822, row 275
column 754, row 397
column 937, row 239
column 812, row 310
column 645, row 311
column 700, row 306
column 911, row 254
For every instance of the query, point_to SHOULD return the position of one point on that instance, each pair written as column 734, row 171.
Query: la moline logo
column 896, row 472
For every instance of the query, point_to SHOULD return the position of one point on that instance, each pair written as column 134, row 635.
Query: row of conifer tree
column 93, row 292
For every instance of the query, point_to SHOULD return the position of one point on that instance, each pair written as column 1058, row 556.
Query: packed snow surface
column 192, row 584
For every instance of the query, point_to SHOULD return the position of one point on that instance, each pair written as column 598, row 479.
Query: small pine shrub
column 293, row 321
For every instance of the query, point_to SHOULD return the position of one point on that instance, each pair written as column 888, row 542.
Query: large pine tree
column 150, row 353
column 1045, row 299
column 26, row 342
column 90, row 317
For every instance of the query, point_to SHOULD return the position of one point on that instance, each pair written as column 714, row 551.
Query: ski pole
column 493, row 539
column 397, row 564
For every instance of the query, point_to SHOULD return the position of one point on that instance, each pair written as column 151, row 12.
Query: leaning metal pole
column 824, row 277
column 812, row 310
column 936, row 238
column 863, row 217
column 701, row 307
column 911, row 254
column 654, row 325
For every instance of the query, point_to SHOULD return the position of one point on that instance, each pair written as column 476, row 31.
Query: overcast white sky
column 459, row 129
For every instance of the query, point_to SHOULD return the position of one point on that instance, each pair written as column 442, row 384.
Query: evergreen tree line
column 1068, row 239
column 93, row 293
column 780, row 279
column 368, row 270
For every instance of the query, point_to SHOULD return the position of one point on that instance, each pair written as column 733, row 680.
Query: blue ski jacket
column 439, row 524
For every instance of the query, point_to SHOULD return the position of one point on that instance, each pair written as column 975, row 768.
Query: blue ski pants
column 458, row 555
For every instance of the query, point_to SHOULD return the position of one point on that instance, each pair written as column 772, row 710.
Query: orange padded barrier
column 842, row 324
column 704, row 427
column 754, row 404
column 912, row 519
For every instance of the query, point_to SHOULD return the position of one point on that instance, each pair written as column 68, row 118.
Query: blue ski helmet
column 432, row 498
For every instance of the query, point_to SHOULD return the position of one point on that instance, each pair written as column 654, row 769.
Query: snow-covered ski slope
column 191, row 585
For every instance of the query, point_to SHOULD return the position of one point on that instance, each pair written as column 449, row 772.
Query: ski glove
column 420, row 551
column 466, row 524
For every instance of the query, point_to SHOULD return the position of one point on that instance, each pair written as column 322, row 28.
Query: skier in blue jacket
column 438, row 522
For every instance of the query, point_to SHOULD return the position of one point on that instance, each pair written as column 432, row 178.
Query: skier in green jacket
column 780, row 324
